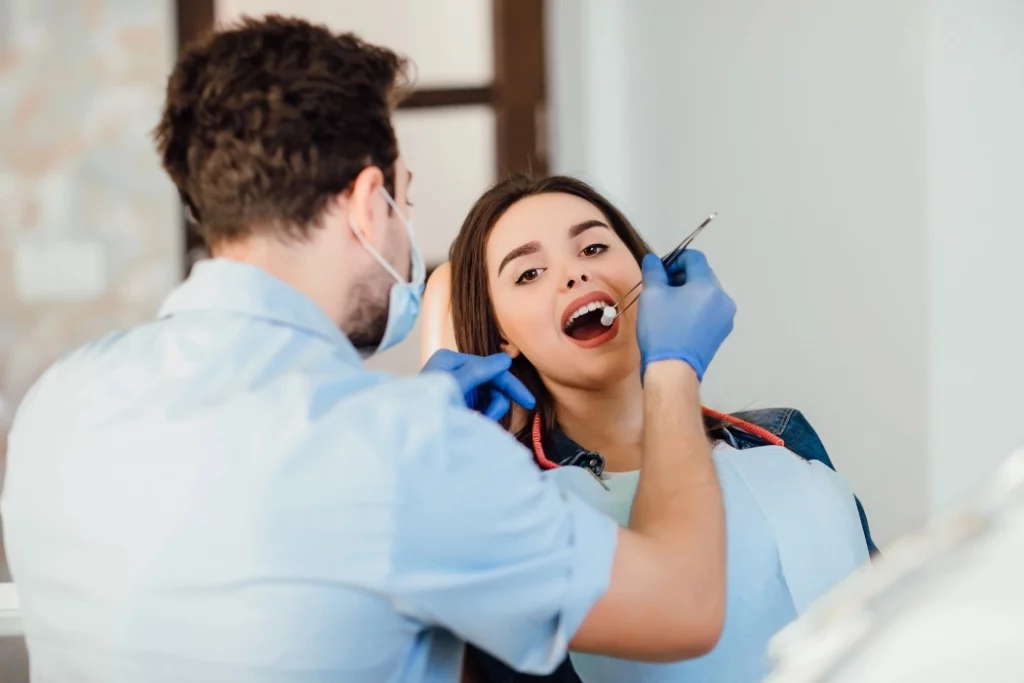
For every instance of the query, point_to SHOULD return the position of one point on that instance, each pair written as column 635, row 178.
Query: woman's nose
column 582, row 278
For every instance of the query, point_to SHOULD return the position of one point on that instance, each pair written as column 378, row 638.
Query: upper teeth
column 592, row 306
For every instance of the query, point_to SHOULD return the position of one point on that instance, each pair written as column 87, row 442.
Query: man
column 227, row 494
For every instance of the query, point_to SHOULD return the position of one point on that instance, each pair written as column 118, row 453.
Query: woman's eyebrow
column 582, row 227
column 521, row 250
column 534, row 247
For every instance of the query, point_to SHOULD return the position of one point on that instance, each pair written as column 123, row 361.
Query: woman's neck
column 609, row 421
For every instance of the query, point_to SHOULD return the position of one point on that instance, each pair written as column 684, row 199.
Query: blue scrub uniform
column 227, row 494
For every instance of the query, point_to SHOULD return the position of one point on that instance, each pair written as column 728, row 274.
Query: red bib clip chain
column 742, row 425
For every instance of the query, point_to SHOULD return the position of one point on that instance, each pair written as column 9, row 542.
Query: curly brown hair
column 267, row 121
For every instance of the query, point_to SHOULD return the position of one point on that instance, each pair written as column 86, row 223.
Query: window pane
column 451, row 153
column 449, row 40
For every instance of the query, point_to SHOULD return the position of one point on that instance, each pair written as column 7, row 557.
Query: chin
column 596, row 373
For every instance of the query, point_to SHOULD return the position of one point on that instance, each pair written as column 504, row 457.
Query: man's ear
column 364, row 202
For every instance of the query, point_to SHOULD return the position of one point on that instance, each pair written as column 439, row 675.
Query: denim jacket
column 785, row 424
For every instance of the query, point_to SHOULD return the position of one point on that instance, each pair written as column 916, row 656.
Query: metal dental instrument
column 610, row 313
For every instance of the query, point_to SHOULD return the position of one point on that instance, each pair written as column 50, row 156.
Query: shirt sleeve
column 490, row 549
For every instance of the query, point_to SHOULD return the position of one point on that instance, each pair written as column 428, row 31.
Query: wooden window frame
column 517, row 93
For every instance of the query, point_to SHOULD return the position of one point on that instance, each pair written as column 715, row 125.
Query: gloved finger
column 444, row 359
column 471, row 398
column 509, row 385
column 676, row 278
column 479, row 371
column 691, row 265
column 498, row 406
column 653, row 271
column 692, row 262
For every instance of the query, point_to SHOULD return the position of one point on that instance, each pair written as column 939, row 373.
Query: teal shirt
column 621, row 488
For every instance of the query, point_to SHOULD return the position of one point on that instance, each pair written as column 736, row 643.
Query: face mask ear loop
column 418, row 271
column 394, row 207
column 380, row 259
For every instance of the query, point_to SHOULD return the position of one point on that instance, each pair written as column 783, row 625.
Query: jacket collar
column 223, row 285
column 556, row 449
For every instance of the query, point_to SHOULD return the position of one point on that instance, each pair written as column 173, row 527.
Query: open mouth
column 584, row 323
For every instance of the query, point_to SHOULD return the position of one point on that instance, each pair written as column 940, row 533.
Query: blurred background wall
column 90, row 234
column 865, row 160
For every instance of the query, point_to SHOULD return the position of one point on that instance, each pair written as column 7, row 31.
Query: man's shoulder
column 428, row 393
column 58, row 377
column 365, row 393
column 422, row 421
column 411, row 414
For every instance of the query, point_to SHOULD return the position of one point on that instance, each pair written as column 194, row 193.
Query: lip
column 583, row 300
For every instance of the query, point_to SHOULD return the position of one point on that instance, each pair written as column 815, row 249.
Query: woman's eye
column 594, row 249
column 528, row 276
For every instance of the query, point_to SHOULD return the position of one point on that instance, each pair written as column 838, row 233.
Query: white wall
column 589, row 71
column 975, row 169
column 817, row 132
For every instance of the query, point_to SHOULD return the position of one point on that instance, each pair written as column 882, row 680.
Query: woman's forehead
column 539, row 218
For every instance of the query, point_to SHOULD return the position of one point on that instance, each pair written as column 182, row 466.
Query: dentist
column 228, row 494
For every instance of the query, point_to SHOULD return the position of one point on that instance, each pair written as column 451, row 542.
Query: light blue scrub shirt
column 227, row 494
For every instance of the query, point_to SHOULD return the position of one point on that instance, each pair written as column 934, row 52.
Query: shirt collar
column 564, row 452
column 224, row 285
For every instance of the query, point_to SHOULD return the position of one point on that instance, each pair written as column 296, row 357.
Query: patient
column 530, row 270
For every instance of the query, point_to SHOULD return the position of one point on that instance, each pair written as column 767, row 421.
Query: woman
column 533, row 265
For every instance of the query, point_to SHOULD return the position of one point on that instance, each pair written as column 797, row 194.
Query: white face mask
column 405, row 298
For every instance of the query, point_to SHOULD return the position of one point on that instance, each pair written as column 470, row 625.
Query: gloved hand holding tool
column 684, row 312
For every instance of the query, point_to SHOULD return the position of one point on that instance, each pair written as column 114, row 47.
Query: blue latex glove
column 684, row 312
column 486, row 383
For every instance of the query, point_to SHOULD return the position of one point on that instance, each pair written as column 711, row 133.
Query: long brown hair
column 476, row 326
